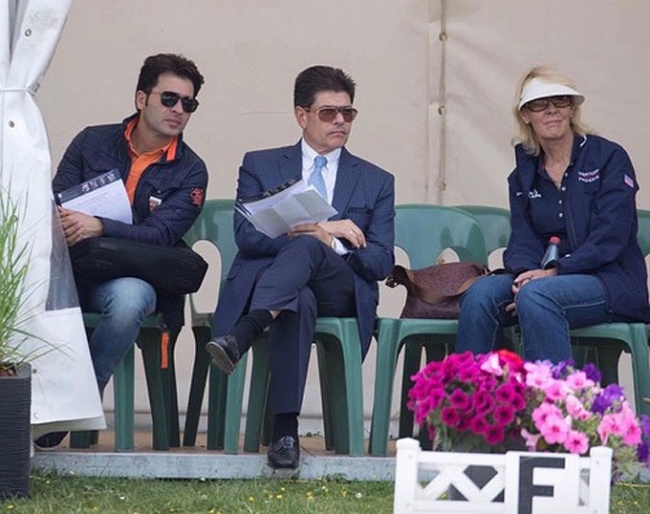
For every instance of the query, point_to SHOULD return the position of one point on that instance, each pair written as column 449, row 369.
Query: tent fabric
column 435, row 81
column 64, row 390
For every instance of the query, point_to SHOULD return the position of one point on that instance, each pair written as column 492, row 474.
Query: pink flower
column 555, row 390
column 504, row 415
column 538, row 375
column 459, row 399
column 576, row 442
column 450, row 416
column 530, row 439
column 478, row 425
column 578, row 380
column 492, row 365
column 554, row 429
column 494, row 434
column 576, row 409
column 505, row 393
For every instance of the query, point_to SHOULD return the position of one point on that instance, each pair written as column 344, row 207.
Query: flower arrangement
column 496, row 402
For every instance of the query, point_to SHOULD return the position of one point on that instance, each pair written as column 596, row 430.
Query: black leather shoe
column 284, row 453
column 646, row 398
column 225, row 353
column 49, row 441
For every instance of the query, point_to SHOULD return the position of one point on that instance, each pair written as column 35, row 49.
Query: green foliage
column 74, row 494
column 13, row 271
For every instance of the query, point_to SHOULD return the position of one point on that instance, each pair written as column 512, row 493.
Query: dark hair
column 320, row 78
column 155, row 65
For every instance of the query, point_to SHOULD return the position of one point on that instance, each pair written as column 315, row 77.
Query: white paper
column 104, row 196
column 294, row 205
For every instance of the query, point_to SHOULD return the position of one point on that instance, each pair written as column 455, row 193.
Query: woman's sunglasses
column 542, row 104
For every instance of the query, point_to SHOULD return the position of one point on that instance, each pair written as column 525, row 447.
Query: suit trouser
column 307, row 279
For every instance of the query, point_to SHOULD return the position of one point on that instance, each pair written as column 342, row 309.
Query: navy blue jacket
column 363, row 193
column 598, row 198
column 179, row 184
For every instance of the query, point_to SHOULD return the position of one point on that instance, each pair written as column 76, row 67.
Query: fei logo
column 542, row 483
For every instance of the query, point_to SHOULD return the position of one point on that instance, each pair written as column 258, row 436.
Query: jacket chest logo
column 534, row 193
column 589, row 176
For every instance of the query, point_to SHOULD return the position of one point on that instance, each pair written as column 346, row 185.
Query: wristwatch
column 333, row 243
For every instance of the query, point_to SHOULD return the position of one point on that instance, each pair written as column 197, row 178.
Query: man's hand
column 345, row 229
column 78, row 226
column 522, row 279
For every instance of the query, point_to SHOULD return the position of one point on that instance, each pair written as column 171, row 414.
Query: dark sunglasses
column 542, row 104
column 170, row 99
column 328, row 114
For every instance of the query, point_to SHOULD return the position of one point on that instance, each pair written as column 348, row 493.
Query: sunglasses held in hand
column 170, row 99
column 328, row 113
column 542, row 104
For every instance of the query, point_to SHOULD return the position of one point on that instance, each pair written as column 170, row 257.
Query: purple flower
column 592, row 372
column 561, row 369
column 605, row 400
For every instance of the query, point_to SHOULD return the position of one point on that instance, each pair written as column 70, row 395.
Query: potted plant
column 484, row 403
column 15, row 371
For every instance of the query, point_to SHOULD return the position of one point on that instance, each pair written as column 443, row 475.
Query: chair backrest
column 644, row 230
column 215, row 225
column 424, row 231
column 495, row 224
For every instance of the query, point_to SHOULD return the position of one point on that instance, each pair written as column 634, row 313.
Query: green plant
column 14, row 259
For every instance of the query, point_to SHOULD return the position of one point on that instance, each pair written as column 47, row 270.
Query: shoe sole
column 220, row 358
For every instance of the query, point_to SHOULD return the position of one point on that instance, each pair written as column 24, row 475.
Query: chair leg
column 234, row 401
column 158, row 397
column 169, row 385
column 257, row 413
column 197, row 387
column 325, row 393
column 217, row 394
column 412, row 362
column 123, row 398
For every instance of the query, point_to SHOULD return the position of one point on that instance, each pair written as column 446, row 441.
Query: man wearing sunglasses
column 165, row 183
column 321, row 269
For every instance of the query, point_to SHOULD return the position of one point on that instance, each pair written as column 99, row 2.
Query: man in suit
column 329, row 268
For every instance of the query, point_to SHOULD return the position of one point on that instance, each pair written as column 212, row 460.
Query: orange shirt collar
column 170, row 147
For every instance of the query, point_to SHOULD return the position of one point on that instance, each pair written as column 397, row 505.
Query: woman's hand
column 522, row 279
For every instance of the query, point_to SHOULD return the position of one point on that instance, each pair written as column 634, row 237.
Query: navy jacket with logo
column 179, row 184
column 598, row 199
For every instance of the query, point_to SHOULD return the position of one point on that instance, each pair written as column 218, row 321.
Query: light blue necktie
column 316, row 178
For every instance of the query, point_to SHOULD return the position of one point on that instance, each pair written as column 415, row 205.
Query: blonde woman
column 581, row 188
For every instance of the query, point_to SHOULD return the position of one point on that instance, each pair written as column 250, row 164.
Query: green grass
column 71, row 494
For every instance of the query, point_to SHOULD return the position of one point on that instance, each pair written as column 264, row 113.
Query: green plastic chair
column 157, row 345
column 494, row 222
column 214, row 225
column 423, row 232
column 605, row 342
column 339, row 364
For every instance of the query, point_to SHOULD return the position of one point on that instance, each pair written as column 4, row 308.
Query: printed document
column 103, row 196
column 285, row 207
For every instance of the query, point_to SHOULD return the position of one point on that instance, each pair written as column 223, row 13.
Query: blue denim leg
column 123, row 304
column 549, row 307
column 483, row 316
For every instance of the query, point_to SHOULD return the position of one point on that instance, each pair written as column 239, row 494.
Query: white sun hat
column 537, row 88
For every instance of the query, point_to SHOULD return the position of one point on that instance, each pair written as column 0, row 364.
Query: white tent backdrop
column 412, row 60
column 64, row 390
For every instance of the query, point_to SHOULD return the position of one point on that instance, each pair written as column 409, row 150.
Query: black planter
column 15, row 432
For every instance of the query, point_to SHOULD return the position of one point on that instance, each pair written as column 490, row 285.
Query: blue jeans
column 123, row 304
column 547, row 308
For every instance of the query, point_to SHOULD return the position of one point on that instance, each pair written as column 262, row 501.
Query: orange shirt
column 139, row 162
